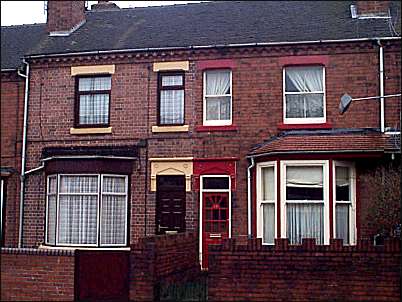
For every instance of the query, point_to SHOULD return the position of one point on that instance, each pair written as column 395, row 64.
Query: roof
column 16, row 41
column 329, row 141
column 201, row 24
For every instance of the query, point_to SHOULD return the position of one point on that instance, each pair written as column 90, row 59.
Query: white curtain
column 113, row 215
column 218, row 108
column 304, row 79
column 94, row 109
column 93, row 84
column 51, row 219
column 78, row 208
column 342, row 222
column 268, row 222
column 172, row 107
column 305, row 221
column 268, row 183
column 304, row 105
column 309, row 176
column 342, row 176
column 218, row 82
column 172, row 80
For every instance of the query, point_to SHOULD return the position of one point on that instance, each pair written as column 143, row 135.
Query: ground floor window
column 86, row 210
column 300, row 193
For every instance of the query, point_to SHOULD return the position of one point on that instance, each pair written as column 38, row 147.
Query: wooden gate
column 102, row 275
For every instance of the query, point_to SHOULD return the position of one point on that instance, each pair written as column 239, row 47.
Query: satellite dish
column 346, row 99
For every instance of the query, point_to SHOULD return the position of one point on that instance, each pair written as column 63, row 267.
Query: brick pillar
column 372, row 7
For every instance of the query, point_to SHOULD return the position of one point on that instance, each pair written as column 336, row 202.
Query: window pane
column 77, row 219
column 113, row 184
column 216, row 183
column 93, row 84
column 78, row 184
column 304, row 183
column 217, row 82
column 304, row 79
column 342, row 222
column 113, row 219
column 51, row 219
column 269, row 223
column 218, row 108
column 172, row 107
column 342, row 183
column 94, row 109
column 172, row 80
column 305, row 221
column 268, row 184
column 52, row 184
column 304, row 105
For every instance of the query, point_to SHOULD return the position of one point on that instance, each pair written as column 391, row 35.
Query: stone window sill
column 83, row 131
column 162, row 129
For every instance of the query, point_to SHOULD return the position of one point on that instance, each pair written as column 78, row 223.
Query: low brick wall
column 37, row 275
column 307, row 272
column 162, row 259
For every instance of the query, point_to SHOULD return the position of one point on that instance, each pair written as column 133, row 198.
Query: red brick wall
column 372, row 7
column 32, row 275
column 156, row 259
column 257, row 112
column 12, row 104
column 307, row 272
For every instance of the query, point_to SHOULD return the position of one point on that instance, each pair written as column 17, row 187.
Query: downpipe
column 381, row 74
column 23, row 154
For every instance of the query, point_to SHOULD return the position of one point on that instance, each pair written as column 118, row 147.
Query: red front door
column 215, row 221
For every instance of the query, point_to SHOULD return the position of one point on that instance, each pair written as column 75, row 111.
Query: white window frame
column 352, row 202
column 206, row 122
column 310, row 120
column 202, row 190
column 305, row 163
column 261, row 202
column 99, row 209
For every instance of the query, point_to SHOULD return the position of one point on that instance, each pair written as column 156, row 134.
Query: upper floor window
column 171, row 99
column 93, row 101
column 217, row 106
column 304, row 94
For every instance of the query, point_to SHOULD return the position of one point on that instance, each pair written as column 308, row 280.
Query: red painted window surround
column 216, row 128
column 214, row 166
column 282, row 126
column 215, row 64
column 304, row 60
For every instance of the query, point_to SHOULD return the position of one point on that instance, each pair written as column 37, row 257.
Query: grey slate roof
column 212, row 23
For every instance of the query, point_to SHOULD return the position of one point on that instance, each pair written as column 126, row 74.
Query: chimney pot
column 104, row 5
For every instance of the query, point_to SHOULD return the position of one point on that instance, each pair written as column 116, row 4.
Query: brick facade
column 12, row 104
column 257, row 83
column 307, row 272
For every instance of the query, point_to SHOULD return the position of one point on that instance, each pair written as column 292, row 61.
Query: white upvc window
column 305, row 201
column 217, row 97
column 266, row 202
column 86, row 210
column 344, row 202
column 304, row 95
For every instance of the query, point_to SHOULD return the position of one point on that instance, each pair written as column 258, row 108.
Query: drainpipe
column 23, row 153
column 381, row 71
column 249, row 197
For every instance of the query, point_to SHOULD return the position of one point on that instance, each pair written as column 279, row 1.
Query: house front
column 216, row 118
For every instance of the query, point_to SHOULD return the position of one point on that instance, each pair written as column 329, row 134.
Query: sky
column 29, row 12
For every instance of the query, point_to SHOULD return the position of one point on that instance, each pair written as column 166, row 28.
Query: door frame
column 201, row 222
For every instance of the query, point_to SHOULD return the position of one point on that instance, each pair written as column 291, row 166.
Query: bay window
column 344, row 202
column 86, row 210
column 304, row 94
column 217, row 97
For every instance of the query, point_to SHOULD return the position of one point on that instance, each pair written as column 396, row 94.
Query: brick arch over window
column 215, row 166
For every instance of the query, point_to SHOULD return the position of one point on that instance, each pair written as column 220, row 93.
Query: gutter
column 249, row 197
column 98, row 52
column 312, row 152
column 23, row 153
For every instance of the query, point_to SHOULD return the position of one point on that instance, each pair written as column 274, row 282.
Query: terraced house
column 219, row 119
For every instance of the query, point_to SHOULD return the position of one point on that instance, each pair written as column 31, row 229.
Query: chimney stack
column 64, row 16
column 372, row 8
column 104, row 5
